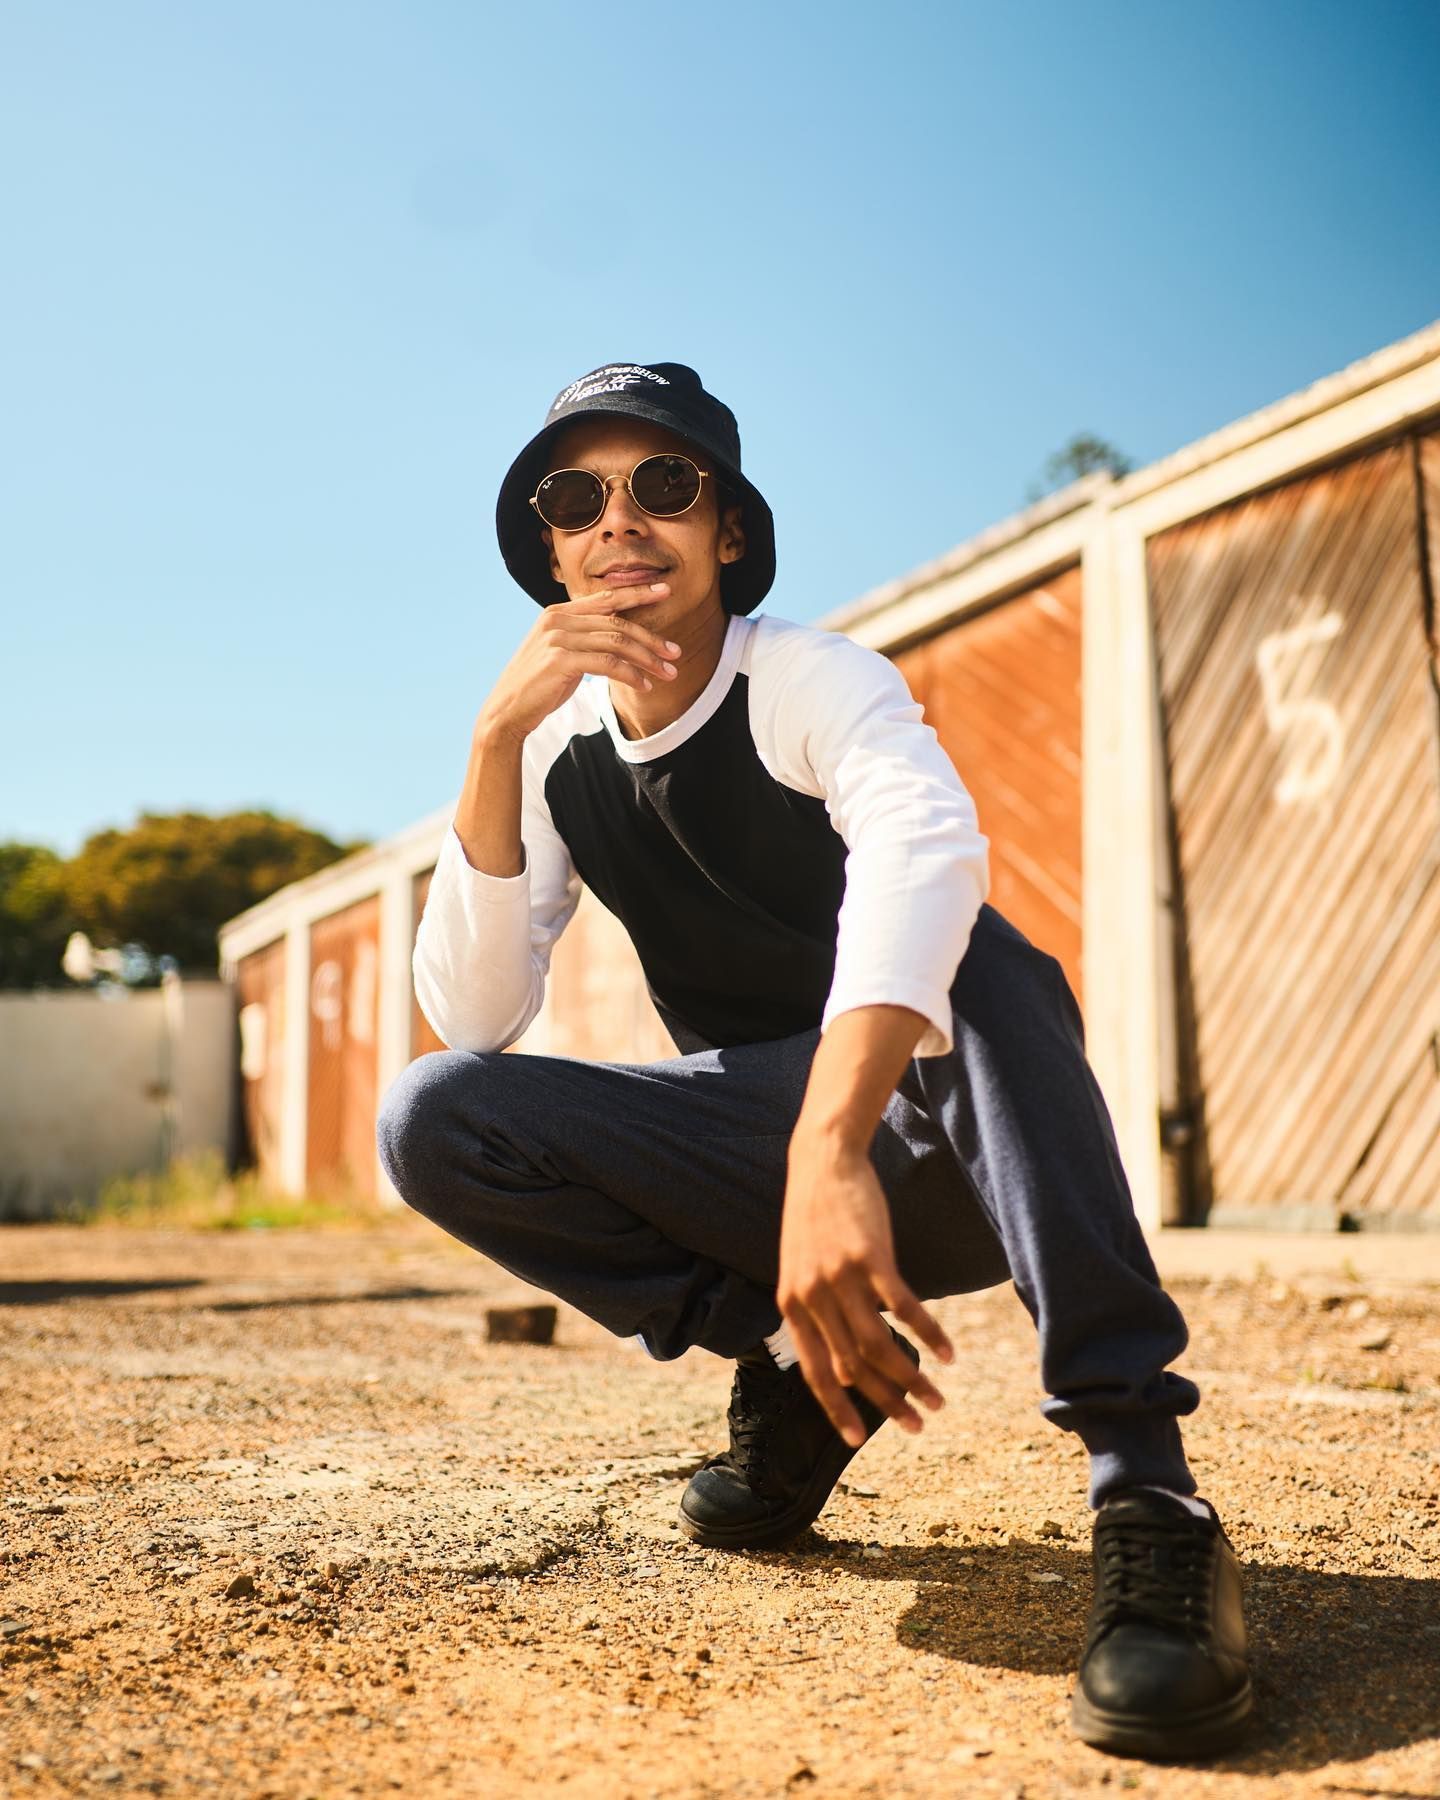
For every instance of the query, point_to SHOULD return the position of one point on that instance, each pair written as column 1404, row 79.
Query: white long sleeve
column 918, row 867
column 482, row 952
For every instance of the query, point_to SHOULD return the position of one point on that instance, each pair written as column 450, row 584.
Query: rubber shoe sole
column 802, row 1511
column 1136, row 1734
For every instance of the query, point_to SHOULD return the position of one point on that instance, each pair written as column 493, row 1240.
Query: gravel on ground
column 277, row 1521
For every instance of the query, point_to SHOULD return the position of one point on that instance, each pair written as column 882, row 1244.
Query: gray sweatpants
column 649, row 1195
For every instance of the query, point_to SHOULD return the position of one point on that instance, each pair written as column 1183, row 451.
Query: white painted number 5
column 1287, row 709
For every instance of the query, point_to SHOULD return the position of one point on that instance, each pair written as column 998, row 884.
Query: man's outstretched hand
column 837, row 1269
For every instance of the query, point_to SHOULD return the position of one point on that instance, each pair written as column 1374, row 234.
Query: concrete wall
column 95, row 1084
column 283, row 926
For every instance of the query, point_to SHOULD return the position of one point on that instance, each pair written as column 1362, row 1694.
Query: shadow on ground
column 45, row 1293
column 274, row 1302
column 1344, row 1666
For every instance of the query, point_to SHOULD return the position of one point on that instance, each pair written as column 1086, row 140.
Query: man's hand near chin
column 837, row 1249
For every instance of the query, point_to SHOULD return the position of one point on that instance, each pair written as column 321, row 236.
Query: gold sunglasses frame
column 605, row 480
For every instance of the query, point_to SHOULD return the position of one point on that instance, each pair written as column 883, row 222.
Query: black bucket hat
column 668, row 394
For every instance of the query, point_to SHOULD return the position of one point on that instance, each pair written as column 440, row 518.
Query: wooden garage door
column 260, row 979
column 1002, row 690
column 1299, row 723
column 344, row 1023
column 423, row 1035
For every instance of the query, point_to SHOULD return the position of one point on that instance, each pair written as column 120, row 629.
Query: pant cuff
column 748, row 1314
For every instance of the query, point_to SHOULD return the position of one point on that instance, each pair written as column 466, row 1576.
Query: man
column 881, row 1094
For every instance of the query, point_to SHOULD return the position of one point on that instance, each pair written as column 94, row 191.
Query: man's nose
column 621, row 513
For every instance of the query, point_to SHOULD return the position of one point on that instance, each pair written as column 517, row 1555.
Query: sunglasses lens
column 569, row 499
column 665, row 484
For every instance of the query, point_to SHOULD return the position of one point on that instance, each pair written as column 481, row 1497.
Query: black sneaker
column 783, row 1462
column 1163, row 1674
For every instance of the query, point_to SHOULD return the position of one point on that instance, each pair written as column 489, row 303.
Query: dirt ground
column 466, row 1576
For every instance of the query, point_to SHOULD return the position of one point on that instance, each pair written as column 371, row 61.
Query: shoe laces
column 760, row 1396
column 1154, row 1569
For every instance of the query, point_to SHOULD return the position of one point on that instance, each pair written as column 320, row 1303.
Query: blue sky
column 287, row 285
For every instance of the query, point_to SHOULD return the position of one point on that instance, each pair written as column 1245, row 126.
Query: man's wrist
column 492, row 734
column 857, row 1063
column 836, row 1137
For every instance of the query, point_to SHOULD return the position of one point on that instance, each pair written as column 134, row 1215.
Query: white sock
column 1198, row 1507
column 779, row 1345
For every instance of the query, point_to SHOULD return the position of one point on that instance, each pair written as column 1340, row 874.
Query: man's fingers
column 830, row 1377
column 606, row 638
column 843, row 1317
column 877, row 1342
column 903, row 1304
column 890, row 1398
column 604, row 599
column 881, row 1369
column 816, row 1366
column 878, row 1347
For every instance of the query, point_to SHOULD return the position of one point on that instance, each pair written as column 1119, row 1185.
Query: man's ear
column 732, row 535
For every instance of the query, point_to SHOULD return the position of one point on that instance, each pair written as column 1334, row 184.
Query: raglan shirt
column 796, row 844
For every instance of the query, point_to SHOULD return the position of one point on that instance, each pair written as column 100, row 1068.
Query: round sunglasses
column 664, row 486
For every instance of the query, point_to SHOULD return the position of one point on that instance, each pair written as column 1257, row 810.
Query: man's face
column 686, row 551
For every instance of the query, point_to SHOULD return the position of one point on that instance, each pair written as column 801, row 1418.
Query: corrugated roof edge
column 1073, row 498
column 1329, row 390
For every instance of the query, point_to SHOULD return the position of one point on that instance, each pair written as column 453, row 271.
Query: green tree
column 171, row 880
column 36, row 918
column 1081, row 456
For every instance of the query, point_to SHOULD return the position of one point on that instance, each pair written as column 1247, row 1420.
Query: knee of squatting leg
column 416, row 1112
